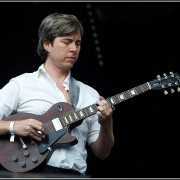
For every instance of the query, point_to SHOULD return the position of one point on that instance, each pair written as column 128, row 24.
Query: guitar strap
column 74, row 91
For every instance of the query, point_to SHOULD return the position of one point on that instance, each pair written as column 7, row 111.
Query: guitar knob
column 26, row 153
column 14, row 159
column 165, row 92
column 22, row 164
column 34, row 159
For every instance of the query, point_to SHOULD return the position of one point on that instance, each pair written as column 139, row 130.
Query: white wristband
column 11, row 130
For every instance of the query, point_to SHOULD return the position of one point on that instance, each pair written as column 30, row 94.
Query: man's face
column 64, row 51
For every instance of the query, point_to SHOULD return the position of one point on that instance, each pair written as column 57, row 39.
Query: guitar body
column 13, row 158
column 17, row 158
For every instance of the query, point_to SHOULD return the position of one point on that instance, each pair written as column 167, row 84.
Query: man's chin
column 70, row 65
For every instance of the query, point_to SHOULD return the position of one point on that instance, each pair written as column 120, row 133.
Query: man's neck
column 55, row 73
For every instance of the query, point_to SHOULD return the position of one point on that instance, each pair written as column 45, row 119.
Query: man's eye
column 65, row 42
column 78, row 44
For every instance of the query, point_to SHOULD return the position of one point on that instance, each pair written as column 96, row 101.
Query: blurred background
column 125, row 44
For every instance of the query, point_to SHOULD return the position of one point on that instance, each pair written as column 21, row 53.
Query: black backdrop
column 137, row 41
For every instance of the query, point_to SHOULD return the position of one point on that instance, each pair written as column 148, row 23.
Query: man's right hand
column 29, row 128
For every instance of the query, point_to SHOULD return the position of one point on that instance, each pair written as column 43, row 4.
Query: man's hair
column 55, row 25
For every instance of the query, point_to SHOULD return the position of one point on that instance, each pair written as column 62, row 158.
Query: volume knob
column 22, row 164
column 34, row 159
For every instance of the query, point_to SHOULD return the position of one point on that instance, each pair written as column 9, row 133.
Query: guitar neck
column 92, row 109
column 129, row 94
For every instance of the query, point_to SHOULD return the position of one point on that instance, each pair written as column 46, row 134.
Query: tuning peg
column 165, row 76
column 171, row 72
column 178, row 89
column 158, row 77
column 166, row 92
column 172, row 91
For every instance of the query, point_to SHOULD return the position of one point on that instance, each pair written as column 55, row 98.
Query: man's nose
column 73, row 47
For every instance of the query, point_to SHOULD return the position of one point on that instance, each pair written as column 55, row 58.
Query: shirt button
column 63, row 161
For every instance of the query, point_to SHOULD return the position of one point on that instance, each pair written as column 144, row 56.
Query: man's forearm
column 103, row 145
column 4, row 127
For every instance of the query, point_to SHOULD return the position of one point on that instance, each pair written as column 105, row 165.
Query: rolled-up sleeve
column 8, row 98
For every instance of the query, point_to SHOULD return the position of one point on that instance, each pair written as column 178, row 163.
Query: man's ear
column 46, row 45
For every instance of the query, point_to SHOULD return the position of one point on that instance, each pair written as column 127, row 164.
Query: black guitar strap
column 74, row 91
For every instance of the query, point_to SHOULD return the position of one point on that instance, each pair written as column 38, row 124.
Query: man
column 59, row 46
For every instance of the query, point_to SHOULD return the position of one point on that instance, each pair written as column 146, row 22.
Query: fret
column 116, row 100
column 71, row 118
column 129, row 94
column 112, row 101
column 126, row 94
column 122, row 97
column 139, row 90
column 119, row 98
column 142, row 88
column 66, row 120
column 85, row 112
column 133, row 92
column 62, row 122
column 90, row 110
column 145, row 86
column 150, row 86
column 94, row 107
column 76, row 118
column 81, row 113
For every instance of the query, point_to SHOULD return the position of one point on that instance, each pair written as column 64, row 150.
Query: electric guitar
column 25, row 154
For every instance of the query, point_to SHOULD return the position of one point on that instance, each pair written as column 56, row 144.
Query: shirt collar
column 66, row 81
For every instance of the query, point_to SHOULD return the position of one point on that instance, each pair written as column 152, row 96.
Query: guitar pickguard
column 50, row 139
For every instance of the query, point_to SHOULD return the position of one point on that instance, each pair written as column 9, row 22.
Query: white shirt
column 35, row 93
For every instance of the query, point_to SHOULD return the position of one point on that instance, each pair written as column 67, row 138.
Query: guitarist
column 59, row 47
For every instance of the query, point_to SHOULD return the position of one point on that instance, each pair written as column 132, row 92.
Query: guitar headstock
column 166, row 82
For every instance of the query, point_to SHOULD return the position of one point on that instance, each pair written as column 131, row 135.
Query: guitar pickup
column 57, row 124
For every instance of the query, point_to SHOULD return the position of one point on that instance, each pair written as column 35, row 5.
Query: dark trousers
column 51, row 171
column 43, row 171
